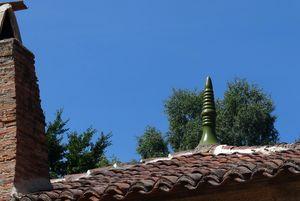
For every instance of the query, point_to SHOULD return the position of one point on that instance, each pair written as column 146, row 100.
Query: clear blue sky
column 111, row 64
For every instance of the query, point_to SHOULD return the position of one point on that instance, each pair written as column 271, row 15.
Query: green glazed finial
column 208, row 115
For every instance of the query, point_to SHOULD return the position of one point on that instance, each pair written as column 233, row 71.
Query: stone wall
column 23, row 152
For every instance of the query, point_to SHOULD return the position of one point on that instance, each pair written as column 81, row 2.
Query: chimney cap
column 16, row 5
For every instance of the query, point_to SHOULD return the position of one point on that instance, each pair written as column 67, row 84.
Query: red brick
column 23, row 156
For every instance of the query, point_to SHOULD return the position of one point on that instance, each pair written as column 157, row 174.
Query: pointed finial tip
column 208, row 83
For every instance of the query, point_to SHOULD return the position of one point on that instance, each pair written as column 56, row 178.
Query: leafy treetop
column 152, row 144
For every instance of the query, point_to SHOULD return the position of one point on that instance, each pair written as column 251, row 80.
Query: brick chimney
column 23, row 151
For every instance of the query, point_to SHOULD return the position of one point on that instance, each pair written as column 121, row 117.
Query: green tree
column 183, row 109
column 54, row 135
column 79, row 153
column 245, row 116
column 82, row 154
column 152, row 144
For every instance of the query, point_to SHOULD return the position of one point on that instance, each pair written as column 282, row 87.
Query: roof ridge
column 203, row 149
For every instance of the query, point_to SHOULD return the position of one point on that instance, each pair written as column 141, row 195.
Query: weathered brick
column 23, row 153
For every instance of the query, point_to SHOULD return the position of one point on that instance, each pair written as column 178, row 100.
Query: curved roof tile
column 216, row 166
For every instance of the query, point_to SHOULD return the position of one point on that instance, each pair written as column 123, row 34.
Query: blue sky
column 111, row 64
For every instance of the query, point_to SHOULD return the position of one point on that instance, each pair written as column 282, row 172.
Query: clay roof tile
column 182, row 171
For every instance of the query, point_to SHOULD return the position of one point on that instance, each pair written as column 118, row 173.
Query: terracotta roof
column 213, row 166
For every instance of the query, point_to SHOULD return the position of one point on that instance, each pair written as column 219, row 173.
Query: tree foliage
column 183, row 109
column 152, row 144
column 82, row 154
column 79, row 153
column 54, row 134
column 245, row 117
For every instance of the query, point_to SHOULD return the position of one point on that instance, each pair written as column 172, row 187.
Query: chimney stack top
column 9, row 27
